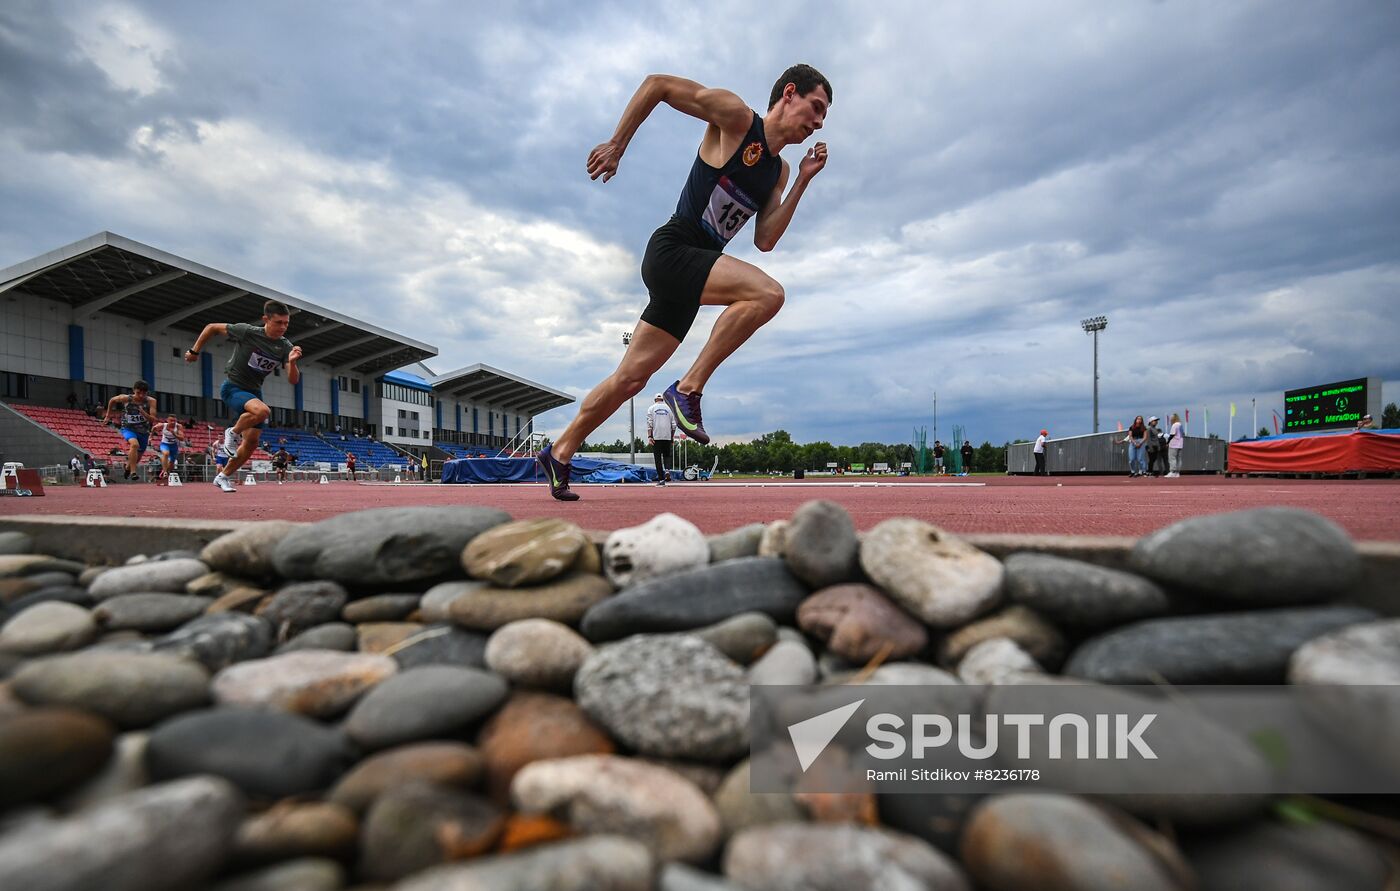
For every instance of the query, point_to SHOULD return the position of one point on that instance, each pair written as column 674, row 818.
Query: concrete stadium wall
column 32, row 445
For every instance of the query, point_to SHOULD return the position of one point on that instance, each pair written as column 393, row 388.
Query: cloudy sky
column 1221, row 180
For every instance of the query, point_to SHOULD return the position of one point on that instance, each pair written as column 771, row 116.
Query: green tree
column 1390, row 417
column 1263, row 431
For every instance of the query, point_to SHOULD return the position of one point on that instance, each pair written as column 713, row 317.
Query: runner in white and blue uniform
column 171, row 435
column 137, row 411
column 737, row 175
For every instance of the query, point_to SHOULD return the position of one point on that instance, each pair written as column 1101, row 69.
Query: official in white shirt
column 661, row 430
column 1040, row 452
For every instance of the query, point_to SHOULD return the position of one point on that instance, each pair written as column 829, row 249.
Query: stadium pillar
column 206, row 383
column 459, row 417
column 76, row 370
column 364, row 391
column 437, row 408
column 300, row 401
column 335, row 400
column 148, row 363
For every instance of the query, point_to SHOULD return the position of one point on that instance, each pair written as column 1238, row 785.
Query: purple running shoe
column 557, row 475
column 687, row 410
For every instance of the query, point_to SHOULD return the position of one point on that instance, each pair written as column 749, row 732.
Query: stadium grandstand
column 82, row 322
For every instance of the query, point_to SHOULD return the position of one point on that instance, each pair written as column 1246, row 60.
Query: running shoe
column 687, row 410
column 557, row 475
column 224, row 483
column 232, row 441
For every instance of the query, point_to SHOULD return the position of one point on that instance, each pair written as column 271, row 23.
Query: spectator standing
column 1039, row 451
column 76, row 465
column 966, row 457
column 1156, row 446
column 1137, row 445
column 661, row 432
column 1176, row 439
column 938, row 452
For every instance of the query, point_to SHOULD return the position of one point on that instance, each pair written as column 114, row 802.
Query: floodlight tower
column 631, row 410
column 1094, row 326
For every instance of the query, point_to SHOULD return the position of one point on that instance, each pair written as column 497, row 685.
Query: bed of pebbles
column 443, row 698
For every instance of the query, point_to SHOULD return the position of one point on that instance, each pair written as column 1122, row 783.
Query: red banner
column 1343, row 453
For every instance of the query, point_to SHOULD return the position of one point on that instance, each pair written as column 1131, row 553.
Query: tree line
column 776, row 452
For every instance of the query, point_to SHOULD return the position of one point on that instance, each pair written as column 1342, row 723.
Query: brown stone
column 1019, row 623
column 289, row 830
column 240, row 600
column 46, row 751
column 524, row 552
column 534, row 727
column 564, row 600
column 380, row 637
column 858, row 622
column 418, row 826
column 13, row 589
column 840, row 807
column 214, row 584
column 528, row 830
column 439, row 763
column 318, row 683
column 590, row 560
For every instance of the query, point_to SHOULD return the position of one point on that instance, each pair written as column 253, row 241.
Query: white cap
column 659, row 396
column 1153, row 419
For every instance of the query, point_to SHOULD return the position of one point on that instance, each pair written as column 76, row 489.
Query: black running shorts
column 675, row 267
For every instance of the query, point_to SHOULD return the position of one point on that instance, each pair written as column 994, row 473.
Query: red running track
column 1367, row 509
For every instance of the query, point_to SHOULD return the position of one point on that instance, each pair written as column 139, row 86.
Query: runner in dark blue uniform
column 737, row 175
column 137, row 415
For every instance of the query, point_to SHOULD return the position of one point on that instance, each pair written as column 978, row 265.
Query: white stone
column 998, row 661
column 48, row 627
column 661, row 546
column 937, row 576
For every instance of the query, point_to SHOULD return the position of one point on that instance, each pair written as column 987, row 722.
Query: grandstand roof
column 113, row 274
column 482, row 383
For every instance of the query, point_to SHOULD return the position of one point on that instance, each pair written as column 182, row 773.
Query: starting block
column 173, row 479
column 96, row 479
column 397, row 479
column 324, row 481
column 249, row 481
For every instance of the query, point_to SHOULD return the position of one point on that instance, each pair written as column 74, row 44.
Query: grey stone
column 171, row 836
column 318, row 683
column 940, row 578
column 219, row 640
column 905, row 674
column 267, row 754
column 436, row 601
column 330, row 636
column 52, row 579
column 743, row 638
column 129, row 689
column 49, row 627
column 167, row 576
column 774, row 539
column 386, row 546
column 1061, row 843
column 1320, row 856
column 1230, row 648
column 296, row 608
column 1270, row 556
column 247, row 553
column 787, row 662
column 439, row 763
column 1076, row 594
column 998, row 660
column 1362, row 654
column 424, row 703
column 381, row 608
column 601, row 794
column 664, row 545
column 23, row 565
column 680, row 877
column 740, row 808
column 15, row 543
column 672, row 696
column 822, row 548
column 418, row 826
column 149, row 612
column 304, row 874
column 45, row 752
column 597, row 863
column 537, row 653
column 442, row 644
column 834, row 857
column 73, row 595
column 741, row 542
column 936, row 818
column 698, row 597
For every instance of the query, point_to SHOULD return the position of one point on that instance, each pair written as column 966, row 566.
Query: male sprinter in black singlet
column 737, row 174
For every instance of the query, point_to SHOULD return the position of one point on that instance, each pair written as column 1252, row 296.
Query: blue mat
column 525, row 470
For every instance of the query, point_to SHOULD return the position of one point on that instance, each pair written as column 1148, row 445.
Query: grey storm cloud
column 1220, row 180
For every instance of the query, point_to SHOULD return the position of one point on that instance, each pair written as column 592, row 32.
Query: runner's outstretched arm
column 719, row 108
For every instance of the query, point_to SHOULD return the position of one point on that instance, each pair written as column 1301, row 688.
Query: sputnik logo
column 811, row 737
